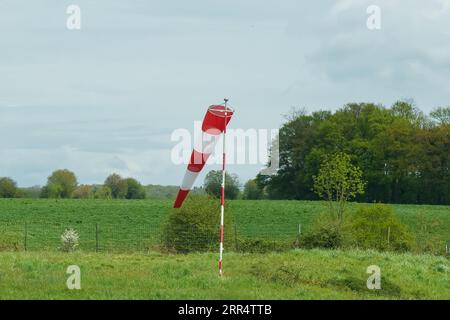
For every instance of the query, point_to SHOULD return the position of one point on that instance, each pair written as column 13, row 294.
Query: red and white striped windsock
column 214, row 123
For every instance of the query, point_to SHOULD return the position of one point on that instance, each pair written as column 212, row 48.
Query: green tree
column 252, row 191
column 102, row 192
column 441, row 114
column 60, row 184
column 118, row 186
column 8, row 188
column 337, row 182
column 83, row 192
column 213, row 182
column 134, row 189
column 403, row 155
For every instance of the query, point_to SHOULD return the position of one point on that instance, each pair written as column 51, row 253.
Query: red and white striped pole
column 222, row 191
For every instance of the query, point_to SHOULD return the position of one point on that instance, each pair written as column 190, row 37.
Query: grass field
column 132, row 224
column 299, row 274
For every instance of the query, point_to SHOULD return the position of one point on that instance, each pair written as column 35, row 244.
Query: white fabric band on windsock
column 189, row 179
column 212, row 127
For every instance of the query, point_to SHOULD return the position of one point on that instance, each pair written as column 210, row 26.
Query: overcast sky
column 106, row 98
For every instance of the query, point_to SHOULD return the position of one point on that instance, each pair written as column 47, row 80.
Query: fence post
column 447, row 247
column 96, row 237
column 299, row 233
column 235, row 239
column 25, row 237
column 389, row 236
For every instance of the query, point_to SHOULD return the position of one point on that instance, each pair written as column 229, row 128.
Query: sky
column 107, row 98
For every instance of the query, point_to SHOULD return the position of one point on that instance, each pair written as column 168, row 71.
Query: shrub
column 326, row 233
column 69, row 240
column 195, row 226
column 376, row 227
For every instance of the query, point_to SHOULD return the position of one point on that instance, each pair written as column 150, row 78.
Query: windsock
column 214, row 124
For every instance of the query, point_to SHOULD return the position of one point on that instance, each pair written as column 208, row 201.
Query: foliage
column 252, row 191
column 441, row 114
column 326, row 233
column 83, row 192
column 337, row 182
column 118, row 186
column 376, row 227
column 8, row 188
column 60, row 184
column 33, row 192
column 134, row 189
column 161, row 192
column 404, row 156
column 128, row 188
column 195, row 226
column 102, row 192
column 70, row 240
column 213, row 182
column 155, row 191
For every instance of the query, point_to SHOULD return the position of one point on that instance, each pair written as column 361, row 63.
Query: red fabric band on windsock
column 213, row 125
column 182, row 194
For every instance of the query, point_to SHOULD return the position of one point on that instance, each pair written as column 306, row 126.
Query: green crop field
column 298, row 274
column 135, row 224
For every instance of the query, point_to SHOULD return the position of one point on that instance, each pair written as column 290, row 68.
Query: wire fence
column 103, row 237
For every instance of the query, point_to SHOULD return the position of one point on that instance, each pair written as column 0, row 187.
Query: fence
column 101, row 237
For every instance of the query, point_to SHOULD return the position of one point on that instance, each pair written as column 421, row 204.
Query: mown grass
column 132, row 224
column 298, row 274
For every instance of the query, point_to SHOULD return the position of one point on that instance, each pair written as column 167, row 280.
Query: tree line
column 404, row 155
column 63, row 184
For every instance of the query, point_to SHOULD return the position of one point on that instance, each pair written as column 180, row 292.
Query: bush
column 376, row 227
column 69, row 240
column 325, row 233
column 195, row 226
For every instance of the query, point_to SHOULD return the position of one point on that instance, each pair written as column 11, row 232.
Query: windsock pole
column 222, row 190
